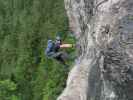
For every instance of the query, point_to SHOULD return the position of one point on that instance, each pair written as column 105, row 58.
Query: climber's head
column 58, row 39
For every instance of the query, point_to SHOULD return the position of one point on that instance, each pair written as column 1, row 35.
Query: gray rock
column 104, row 29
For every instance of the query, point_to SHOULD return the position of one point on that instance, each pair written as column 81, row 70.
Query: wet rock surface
column 104, row 29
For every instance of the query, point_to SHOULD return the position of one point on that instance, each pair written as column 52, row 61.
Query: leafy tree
column 25, row 72
column 7, row 90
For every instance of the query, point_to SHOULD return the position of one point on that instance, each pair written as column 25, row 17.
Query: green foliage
column 25, row 72
column 7, row 89
column 130, row 17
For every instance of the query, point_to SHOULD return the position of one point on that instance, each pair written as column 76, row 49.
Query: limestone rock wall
column 104, row 29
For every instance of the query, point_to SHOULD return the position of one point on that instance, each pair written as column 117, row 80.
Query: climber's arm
column 66, row 46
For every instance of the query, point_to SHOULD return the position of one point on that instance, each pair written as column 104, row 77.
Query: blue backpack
column 49, row 52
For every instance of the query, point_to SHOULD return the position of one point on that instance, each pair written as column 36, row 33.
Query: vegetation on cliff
column 25, row 73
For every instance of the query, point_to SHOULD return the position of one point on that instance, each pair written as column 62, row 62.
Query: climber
column 53, row 50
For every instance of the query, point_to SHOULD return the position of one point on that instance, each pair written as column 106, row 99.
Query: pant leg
column 60, row 56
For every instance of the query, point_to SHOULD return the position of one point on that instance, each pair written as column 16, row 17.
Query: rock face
column 104, row 29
